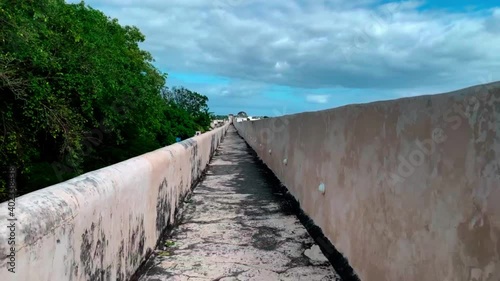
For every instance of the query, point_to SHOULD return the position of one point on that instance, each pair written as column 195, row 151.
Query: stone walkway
column 234, row 227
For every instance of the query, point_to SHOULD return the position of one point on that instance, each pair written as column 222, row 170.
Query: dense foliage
column 77, row 93
column 220, row 117
column 192, row 102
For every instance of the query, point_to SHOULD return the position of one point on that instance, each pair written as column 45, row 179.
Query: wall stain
column 92, row 252
column 162, row 206
column 163, row 209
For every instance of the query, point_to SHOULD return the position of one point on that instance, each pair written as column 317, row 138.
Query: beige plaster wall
column 101, row 225
column 411, row 186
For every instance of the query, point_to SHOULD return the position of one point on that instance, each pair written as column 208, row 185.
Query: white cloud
column 317, row 98
column 395, row 47
column 281, row 66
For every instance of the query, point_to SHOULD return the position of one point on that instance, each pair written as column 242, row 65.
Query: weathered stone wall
column 411, row 186
column 101, row 225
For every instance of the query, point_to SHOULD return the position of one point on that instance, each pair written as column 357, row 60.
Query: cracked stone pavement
column 235, row 227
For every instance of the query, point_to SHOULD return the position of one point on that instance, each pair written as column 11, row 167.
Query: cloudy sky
column 275, row 57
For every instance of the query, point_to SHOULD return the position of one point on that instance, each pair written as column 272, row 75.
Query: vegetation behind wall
column 77, row 94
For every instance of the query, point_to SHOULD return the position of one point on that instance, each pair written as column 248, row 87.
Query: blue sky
column 281, row 57
column 459, row 5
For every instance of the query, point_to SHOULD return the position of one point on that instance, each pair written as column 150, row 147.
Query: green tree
column 194, row 103
column 242, row 114
column 220, row 117
column 77, row 93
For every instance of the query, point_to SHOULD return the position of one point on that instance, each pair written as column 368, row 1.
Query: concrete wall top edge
column 174, row 148
column 460, row 93
column 62, row 201
column 405, row 189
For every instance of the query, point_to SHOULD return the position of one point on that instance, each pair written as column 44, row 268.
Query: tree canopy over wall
column 221, row 117
column 77, row 93
column 192, row 102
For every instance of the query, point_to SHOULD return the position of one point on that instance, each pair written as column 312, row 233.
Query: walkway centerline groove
column 234, row 227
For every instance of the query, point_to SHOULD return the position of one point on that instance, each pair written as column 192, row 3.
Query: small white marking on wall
column 321, row 188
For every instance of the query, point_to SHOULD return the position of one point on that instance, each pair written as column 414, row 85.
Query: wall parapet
column 101, row 225
column 406, row 189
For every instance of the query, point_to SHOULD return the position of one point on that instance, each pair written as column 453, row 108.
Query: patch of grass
column 164, row 254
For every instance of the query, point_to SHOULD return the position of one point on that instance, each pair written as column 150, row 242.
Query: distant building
column 242, row 114
column 217, row 123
